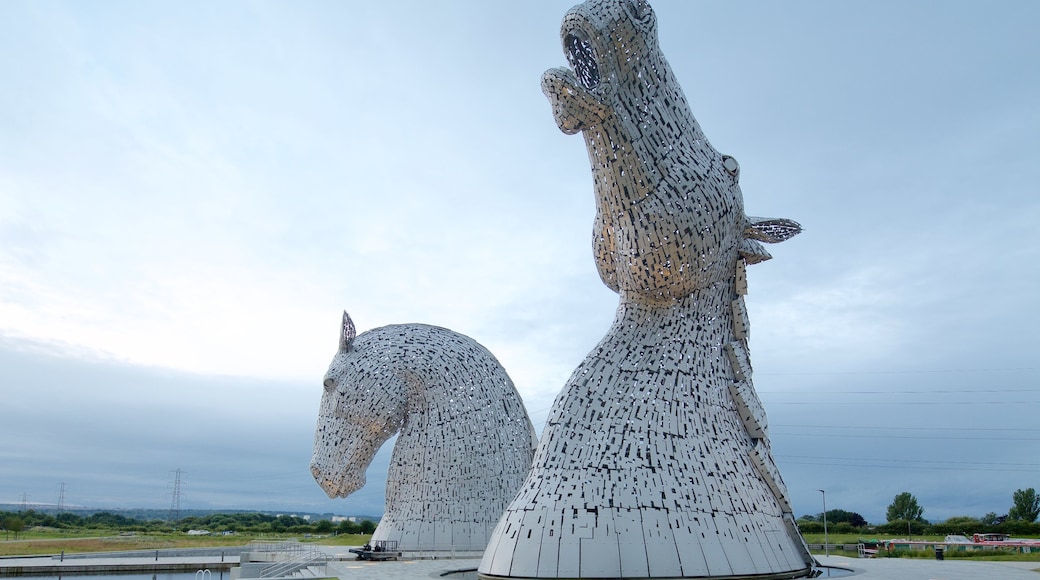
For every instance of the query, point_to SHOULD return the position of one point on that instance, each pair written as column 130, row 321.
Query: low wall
column 148, row 561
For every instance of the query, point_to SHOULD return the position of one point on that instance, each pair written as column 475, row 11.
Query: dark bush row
column 964, row 526
column 220, row 522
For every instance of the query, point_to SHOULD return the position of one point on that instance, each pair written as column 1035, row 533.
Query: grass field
column 42, row 542
column 852, row 539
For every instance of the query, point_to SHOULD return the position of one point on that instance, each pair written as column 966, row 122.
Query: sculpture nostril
column 330, row 383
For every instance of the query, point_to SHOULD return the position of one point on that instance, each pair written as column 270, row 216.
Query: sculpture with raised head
column 655, row 460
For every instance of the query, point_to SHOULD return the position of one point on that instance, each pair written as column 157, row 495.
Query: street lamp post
column 826, row 548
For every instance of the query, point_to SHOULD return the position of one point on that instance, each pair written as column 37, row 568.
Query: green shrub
column 977, row 553
column 807, row 527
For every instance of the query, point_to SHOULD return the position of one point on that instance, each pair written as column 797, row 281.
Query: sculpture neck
column 695, row 312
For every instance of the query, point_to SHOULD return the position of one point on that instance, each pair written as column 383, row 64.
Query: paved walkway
column 921, row 569
column 864, row 569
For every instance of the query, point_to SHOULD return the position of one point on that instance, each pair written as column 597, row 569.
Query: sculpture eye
column 731, row 166
column 582, row 58
column 638, row 9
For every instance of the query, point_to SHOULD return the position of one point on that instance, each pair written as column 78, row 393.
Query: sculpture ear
column 347, row 332
column 771, row 230
column 753, row 252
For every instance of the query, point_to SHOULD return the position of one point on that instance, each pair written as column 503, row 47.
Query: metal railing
column 299, row 558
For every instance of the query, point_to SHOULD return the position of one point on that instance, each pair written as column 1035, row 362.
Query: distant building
column 338, row 519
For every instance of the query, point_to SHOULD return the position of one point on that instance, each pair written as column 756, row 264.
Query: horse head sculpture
column 363, row 406
column 654, row 461
column 653, row 169
column 465, row 440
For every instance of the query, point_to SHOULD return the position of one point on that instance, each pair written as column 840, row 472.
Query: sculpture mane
column 465, row 441
column 655, row 458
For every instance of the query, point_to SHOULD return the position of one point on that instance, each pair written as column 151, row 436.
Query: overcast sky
column 192, row 192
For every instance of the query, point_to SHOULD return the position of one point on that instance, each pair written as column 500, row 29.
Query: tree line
column 906, row 516
column 248, row 522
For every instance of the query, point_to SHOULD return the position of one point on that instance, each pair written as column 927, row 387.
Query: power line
column 902, row 372
column 900, row 403
column 901, row 391
column 915, row 467
column 914, row 461
column 944, row 437
column 910, row 428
